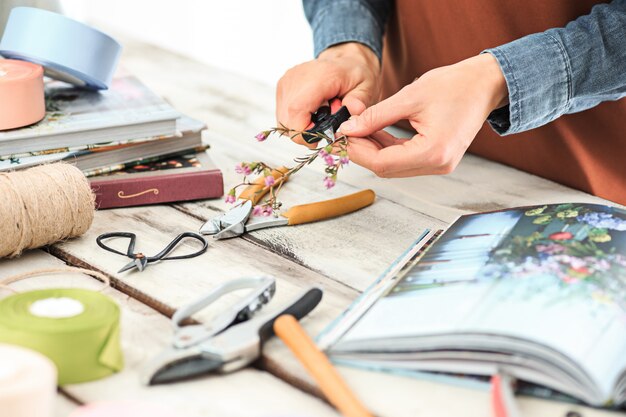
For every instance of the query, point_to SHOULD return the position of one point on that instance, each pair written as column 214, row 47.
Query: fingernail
column 347, row 126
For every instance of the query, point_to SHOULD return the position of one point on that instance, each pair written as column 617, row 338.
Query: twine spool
column 43, row 205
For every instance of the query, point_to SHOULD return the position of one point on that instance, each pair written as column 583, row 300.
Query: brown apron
column 584, row 150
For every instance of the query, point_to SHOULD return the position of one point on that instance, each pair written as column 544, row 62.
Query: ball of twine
column 43, row 205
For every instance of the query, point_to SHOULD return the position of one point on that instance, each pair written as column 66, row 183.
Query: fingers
column 378, row 117
column 358, row 99
column 300, row 92
column 407, row 158
column 387, row 139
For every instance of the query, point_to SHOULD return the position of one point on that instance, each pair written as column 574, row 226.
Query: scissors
column 232, row 341
column 141, row 261
column 326, row 120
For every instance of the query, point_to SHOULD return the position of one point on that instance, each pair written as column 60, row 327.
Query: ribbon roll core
column 77, row 329
column 68, row 50
column 27, row 383
column 22, row 100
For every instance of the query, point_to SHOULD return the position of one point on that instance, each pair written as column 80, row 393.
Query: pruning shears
column 233, row 340
column 238, row 221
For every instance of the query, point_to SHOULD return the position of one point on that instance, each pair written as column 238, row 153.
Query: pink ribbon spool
column 22, row 101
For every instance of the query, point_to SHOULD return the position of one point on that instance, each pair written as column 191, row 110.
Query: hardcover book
column 74, row 117
column 183, row 178
column 536, row 292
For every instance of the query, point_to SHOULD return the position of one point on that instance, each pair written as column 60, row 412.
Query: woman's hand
column 350, row 71
column 446, row 106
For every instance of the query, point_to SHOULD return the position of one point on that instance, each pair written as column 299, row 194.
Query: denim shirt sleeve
column 563, row 70
column 339, row 21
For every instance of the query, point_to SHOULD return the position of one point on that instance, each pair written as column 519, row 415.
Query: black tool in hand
column 326, row 120
column 139, row 260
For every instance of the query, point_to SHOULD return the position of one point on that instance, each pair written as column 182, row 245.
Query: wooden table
column 342, row 255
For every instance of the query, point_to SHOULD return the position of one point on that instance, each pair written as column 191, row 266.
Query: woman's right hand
column 350, row 71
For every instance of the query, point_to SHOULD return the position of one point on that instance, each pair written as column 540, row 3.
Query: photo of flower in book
column 580, row 247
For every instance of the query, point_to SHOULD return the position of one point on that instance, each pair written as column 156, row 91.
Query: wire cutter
column 253, row 193
column 141, row 261
column 326, row 120
column 237, row 220
column 233, row 341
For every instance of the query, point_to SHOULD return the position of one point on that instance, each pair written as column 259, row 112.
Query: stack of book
column 131, row 144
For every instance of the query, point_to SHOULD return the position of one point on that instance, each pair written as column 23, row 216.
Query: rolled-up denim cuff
column 346, row 21
column 539, row 79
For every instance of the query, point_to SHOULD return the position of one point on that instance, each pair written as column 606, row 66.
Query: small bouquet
column 334, row 154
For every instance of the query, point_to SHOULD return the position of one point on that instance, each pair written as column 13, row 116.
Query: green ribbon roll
column 84, row 345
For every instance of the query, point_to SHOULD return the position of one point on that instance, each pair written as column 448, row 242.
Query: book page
column 554, row 275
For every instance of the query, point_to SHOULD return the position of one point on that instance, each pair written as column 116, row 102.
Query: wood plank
column 353, row 249
column 144, row 333
column 168, row 285
column 236, row 109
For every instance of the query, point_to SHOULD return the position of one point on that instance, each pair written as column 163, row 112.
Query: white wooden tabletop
column 343, row 256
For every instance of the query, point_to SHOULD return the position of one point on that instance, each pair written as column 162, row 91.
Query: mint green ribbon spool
column 84, row 347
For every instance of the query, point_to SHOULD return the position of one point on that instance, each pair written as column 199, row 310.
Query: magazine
column 536, row 292
column 74, row 117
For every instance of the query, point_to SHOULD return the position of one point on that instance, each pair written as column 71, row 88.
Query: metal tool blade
column 212, row 226
column 179, row 365
column 236, row 222
column 190, row 368
column 223, row 221
column 330, row 134
column 139, row 263
column 256, row 223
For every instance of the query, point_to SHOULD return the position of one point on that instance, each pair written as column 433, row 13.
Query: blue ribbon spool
column 68, row 50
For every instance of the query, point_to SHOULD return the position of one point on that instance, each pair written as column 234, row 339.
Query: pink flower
column 344, row 160
column 329, row 160
column 323, row 153
column 230, row 197
column 569, row 280
column 329, row 183
column 262, row 136
column 551, row 248
column 269, row 181
column 264, row 210
column 243, row 169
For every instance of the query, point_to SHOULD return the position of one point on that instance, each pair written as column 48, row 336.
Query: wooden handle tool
column 307, row 213
column 319, row 367
column 258, row 189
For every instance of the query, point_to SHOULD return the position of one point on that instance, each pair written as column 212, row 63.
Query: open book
column 536, row 292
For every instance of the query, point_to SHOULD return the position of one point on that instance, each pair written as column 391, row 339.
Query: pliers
column 326, row 120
